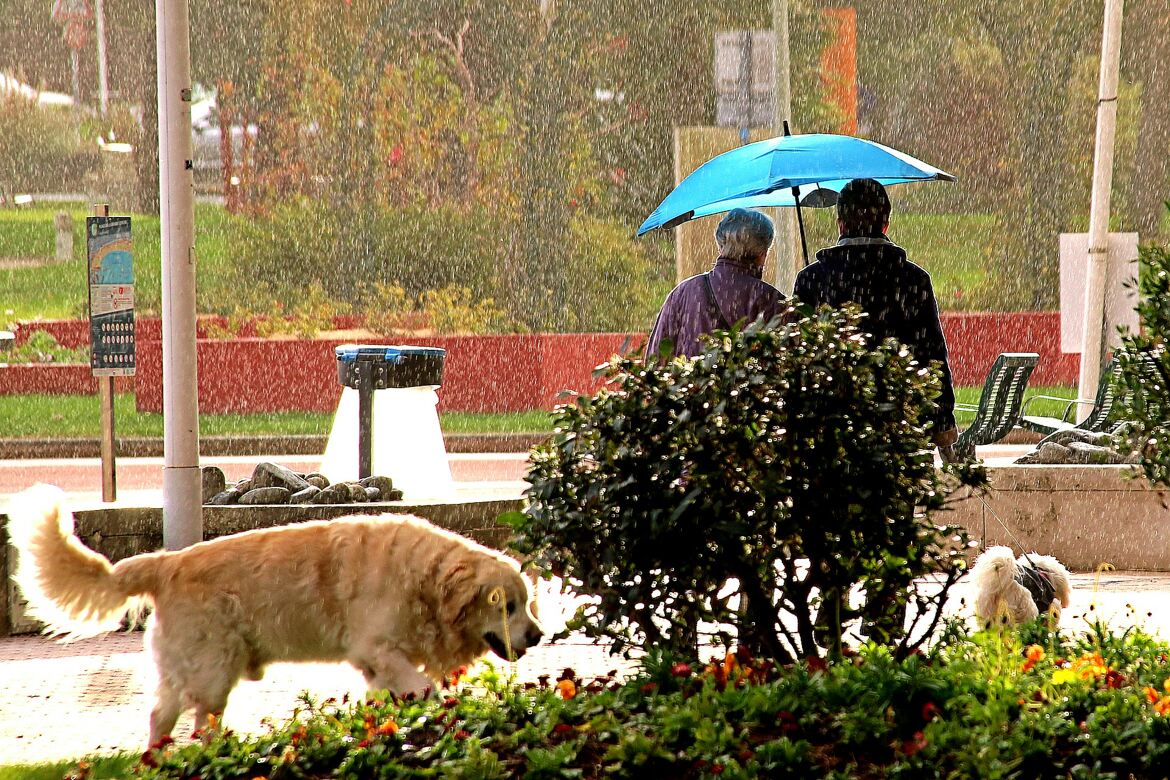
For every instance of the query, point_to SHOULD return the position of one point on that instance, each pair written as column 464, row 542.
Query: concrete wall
column 121, row 532
column 1082, row 515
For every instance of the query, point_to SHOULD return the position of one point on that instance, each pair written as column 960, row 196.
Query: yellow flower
column 1063, row 676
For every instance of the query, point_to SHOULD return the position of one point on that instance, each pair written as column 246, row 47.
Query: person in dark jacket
column 733, row 290
column 866, row 268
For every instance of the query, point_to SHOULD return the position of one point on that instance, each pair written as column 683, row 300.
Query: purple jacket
column 687, row 314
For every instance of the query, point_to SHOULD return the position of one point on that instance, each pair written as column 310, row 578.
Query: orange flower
column 1151, row 694
column 1162, row 706
column 1034, row 654
column 387, row 728
column 567, row 689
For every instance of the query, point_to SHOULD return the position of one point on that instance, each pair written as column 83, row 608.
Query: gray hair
column 744, row 235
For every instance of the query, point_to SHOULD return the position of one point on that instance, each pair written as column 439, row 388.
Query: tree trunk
column 1147, row 187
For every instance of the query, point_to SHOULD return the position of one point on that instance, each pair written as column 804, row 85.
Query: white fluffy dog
column 403, row 601
column 1020, row 588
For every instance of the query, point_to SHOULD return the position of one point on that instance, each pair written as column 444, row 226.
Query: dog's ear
column 458, row 592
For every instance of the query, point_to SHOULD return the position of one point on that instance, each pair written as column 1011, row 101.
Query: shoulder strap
column 714, row 303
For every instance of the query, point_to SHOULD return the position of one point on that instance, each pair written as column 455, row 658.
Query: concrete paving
column 64, row 701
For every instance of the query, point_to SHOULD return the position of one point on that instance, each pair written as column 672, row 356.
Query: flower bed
column 1014, row 704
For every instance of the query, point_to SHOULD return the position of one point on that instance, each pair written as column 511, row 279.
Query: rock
column 334, row 494
column 229, row 496
column 244, row 485
column 384, row 484
column 1076, row 435
column 214, row 482
column 266, row 495
column 1092, row 455
column 304, row 496
column 356, row 491
column 275, row 475
column 373, row 494
column 393, row 495
column 319, row 480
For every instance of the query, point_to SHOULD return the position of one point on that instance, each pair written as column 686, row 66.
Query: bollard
column 63, row 226
column 367, row 368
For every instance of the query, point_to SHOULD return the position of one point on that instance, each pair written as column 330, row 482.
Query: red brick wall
column 482, row 373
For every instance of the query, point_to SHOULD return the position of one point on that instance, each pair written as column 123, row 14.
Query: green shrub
column 41, row 150
column 1144, row 395
column 41, row 346
column 992, row 705
column 787, row 464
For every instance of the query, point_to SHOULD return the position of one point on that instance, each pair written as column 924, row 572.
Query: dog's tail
column 71, row 589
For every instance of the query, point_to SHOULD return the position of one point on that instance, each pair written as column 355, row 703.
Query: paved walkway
column 64, row 701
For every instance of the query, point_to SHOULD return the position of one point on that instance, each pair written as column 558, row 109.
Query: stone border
column 216, row 446
column 121, row 532
column 1082, row 515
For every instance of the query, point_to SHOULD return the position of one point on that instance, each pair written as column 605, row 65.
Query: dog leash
column 497, row 597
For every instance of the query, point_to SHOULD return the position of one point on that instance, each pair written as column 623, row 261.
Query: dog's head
column 490, row 602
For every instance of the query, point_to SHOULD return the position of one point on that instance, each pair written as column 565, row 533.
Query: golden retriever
column 403, row 601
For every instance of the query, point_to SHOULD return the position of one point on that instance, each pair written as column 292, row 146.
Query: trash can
column 368, row 367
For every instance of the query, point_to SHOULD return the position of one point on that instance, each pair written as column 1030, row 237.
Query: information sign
column 111, row 296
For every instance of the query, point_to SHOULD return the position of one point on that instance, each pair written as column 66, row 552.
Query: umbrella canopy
column 765, row 173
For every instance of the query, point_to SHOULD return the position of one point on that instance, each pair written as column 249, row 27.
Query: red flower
column 929, row 711
column 716, row 769
column 914, row 744
column 562, row 728
column 462, row 734
column 450, row 703
column 681, row 669
column 816, row 664
column 649, row 688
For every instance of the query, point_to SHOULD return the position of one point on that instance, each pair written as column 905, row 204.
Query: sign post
column 111, row 321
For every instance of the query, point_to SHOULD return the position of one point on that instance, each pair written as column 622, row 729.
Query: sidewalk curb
column 216, row 446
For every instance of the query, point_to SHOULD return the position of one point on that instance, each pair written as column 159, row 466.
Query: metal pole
column 1094, row 338
column 106, row 402
column 365, row 389
column 787, row 257
column 182, row 500
column 103, row 66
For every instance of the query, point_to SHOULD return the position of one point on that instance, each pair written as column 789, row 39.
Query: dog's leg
column 389, row 668
column 167, row 706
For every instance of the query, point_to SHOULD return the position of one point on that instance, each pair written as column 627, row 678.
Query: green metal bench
column 1000, row 402
column 1101, row 417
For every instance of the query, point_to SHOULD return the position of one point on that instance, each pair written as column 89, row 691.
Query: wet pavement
column 64, row 701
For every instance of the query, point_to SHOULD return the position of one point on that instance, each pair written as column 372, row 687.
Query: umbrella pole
column 800, row 222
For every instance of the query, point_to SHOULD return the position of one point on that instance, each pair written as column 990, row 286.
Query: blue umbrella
column 790, row 170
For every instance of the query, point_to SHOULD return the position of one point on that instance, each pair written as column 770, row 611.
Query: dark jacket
column 896, row 294
column 687, row 313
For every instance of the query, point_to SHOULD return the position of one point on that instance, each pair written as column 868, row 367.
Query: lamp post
column 1094, row 337
column 787, row 255
column 182, row 489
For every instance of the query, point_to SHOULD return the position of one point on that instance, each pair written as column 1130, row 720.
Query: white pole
column 182, row 499
column 103, row 66
column 788, row 256
column 1094, row 338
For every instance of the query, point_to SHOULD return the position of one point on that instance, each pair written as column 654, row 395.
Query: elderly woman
column 730, row 292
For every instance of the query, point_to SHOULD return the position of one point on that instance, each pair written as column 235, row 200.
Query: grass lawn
column 101, row 768
column 59, row 290
column 951, row 247
column 78, row 416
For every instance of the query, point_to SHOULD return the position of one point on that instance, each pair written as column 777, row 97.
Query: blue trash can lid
column 348, row 353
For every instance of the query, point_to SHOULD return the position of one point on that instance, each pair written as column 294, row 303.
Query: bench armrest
column 1071, row 404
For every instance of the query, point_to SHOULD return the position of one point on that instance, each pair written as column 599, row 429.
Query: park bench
column 1000, row 403
column 1101, row 417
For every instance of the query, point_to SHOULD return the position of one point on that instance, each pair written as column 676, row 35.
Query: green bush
column 992, row 705
column 1144, row 361
column 41, row 151
column 790, row 461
